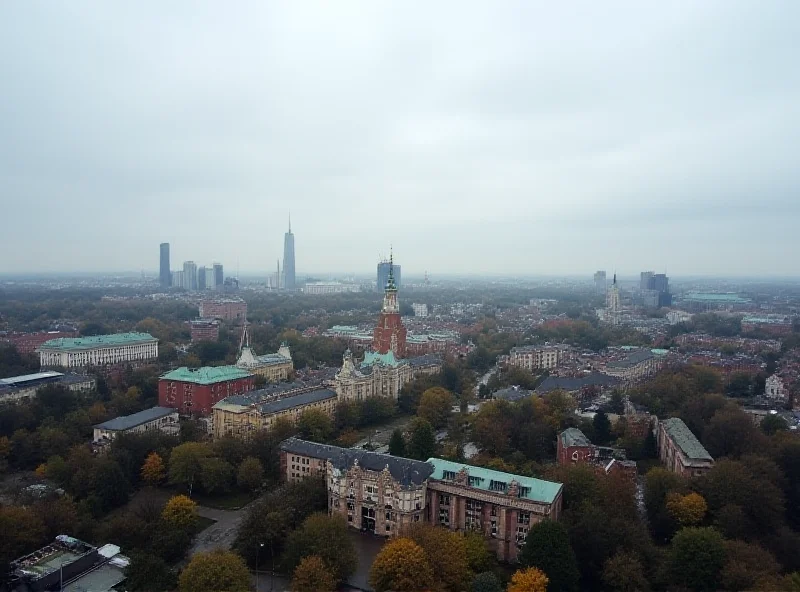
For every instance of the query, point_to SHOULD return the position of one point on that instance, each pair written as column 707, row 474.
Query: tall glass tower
column 288, row 259
column 164, row 276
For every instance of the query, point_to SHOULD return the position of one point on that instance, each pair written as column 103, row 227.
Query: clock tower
column 390, row 334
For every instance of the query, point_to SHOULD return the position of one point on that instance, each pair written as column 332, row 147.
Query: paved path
column 220, row 534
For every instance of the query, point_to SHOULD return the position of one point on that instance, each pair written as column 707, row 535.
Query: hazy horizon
column 476, row 138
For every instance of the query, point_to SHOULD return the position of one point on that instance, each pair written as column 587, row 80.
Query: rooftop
column 206, row 374
column 127, row 422
column 386, row 359
column 271, row 391
column 81, row 343
column 574, row 437
column 22, row 379
column 296, row 400
column 403, row 470
column 553, row 383
column 512, row 393
column 685, row 439
column 716, row 297
column 490, row 480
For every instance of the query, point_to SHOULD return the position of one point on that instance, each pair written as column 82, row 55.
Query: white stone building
column 100, row 350
column 538, row 357
column 775, row 389
column 420, row 309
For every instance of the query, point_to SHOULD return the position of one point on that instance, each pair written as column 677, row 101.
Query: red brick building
column 390, row 333
column 574, row 447
column 194, row 391
column 26, row 343
column 204, row 330
column 229, row 309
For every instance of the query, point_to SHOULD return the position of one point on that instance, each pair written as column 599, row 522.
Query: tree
column 215, row 571
column 22, row 531
column 731, row 432
column 422, row 443
column 696, row 557
column 479, row 559
column 185, row 463
column 624, row 573
column 148, row 573
column 251, row 474
column 312, row 575
column 688, row 510
column 397, row 443
column 602, row 428
column 153, row 471
column 528, row 580
column 446, row 553
column 435, row 406
column 401, row 566
column 658, row 483
column 326, row 537
column 773, row 423
column 180, row 512
column 216, row 475
column 315, row 425
column 486, row 582
column 746, row 565
column 110, row 487
column 57, row 516
column 547, row 547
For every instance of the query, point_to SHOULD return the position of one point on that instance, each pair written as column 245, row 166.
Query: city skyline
column 573, row 138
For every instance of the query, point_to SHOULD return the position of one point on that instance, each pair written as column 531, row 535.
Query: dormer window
column 498, row 485
column 449, row 475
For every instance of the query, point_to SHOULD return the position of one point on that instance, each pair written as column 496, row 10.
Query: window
column 524, row 518
column 448, row 475
column 475, row 481
column 444, row 500
column 498, row 485
column 524, row 491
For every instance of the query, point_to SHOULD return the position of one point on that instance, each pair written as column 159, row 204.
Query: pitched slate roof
column 552, row 383
column 296, row 401
column 405, row 471
column 127, row 422
column 574, row 437
column 685, row 439
column 512, row 393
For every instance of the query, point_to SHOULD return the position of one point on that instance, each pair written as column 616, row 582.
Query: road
column 220, row 534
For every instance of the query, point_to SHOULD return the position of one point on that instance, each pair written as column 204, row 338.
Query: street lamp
column 258, row 549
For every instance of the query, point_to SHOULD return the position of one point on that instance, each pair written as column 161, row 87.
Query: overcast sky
column 530, row 137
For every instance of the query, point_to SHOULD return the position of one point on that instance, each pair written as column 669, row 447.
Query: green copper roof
column 206, row 374
column 497, row 481
column 386, row 359
column 79, row 343
column 685, row 439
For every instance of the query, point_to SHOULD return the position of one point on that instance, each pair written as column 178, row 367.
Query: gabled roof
column 684, row 439
column 405, row 471
column 574, row 437
column 552, row 383
column 530, row 488
column 386, row 359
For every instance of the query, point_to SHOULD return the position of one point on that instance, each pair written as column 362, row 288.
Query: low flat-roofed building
column 155, row 418
column 376, row 493
column 500, row 505
column 25, row 386
column 241, row 415
column 680, row 450
column 98, row 350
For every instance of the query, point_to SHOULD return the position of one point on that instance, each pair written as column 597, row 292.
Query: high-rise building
column 288, row 259
column 645, row 280
column 613, row 306
column 201, row 277
column 164, row 276
column 219, row 277
column 211, row 279
column 600, row 282
column 177, row 279
column 189, row 276
column 383, row 275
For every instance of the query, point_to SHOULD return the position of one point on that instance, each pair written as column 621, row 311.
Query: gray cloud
column 481, row 137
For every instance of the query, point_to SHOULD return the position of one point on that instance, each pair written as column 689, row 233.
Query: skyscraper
column 164, row 276
column 189, row 276
column 646, row 280
column 201, row 277
column 600, row 282
column 288, row 259
column 383, row 275
column 219, row 278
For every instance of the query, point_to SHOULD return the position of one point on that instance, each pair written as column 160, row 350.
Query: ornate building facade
column 390, row 333
column 274, row 367
column 100, row 350
column 380, row 375
column 376, row 493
